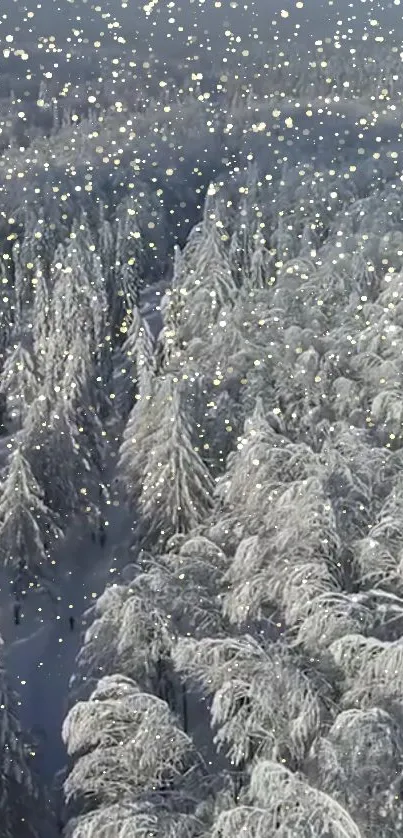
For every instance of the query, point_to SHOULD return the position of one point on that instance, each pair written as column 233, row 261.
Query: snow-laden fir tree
column 203, row 283
column 300, row 542
column 177, row 488
column 22, row 809
column 187, row 582
column 134, row 766
column 144, row 423
column 134, row 363
column 359, row 764
column 130, row 254
column 105, row 241
column 40, row 315
column 80, row 393
column 84, row 245
column 169, row 344
column 259, row 450
column 131, row 633
column 255, row 714
column 20, row 382
column 22, row 287
column 64, row 455
column 26, row 523
column 281, row 803
column 136, row 820
column 78, row 303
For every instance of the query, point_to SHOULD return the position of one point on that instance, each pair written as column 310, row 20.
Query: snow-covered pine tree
column 145, row 360
column 169, row 343
column 26, row 523
column 80, row 391
column 22, row 809
column 40, row 315
column 300, row 542
column 106, row 249
column 80, row 316
column 247, row 237
column 128, row 749
column 280, row 802
column 85, row 247
column 358, row 763
column 238, row 490
column 59, row 456
column 177, row 487
column 75, row 301
column 22, row 287
column 130, row 255
column 132, row 634
column 154, row 818
column 43, row 229
column 134, row 364
column 187, row 582
column 203, row 282
column 7, row 308
column 253, row 713
column 142, row 426
column 20, row 382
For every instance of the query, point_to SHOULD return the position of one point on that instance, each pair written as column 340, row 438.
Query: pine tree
column 130, row 254
column 357, row 763
column 19, row 382
column 134, row 363
column 279, row 800
column 137, row 820
column 25, row 521
column 48, row 440
column 253, row 713
column 21, row 808
column 177, row 487
column 187, row 583
column 127, row 746
column 203, row 283
column 130, row 633
column 22, row 287
column 40, row 316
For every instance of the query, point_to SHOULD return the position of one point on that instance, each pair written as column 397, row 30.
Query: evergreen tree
column 177, row 487
column 19, row 382
column 127, row 746
column 203, row 284
column 129, row 632
column 281, row 801
column 21, row 805
column 40, row 316
column 134, row 363
column 130, row 254
column 255, row 714
column 358, row 764
column 52, row 437
column 25, row 520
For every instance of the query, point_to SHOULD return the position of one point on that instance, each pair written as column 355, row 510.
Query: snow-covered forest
column 201, row 436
